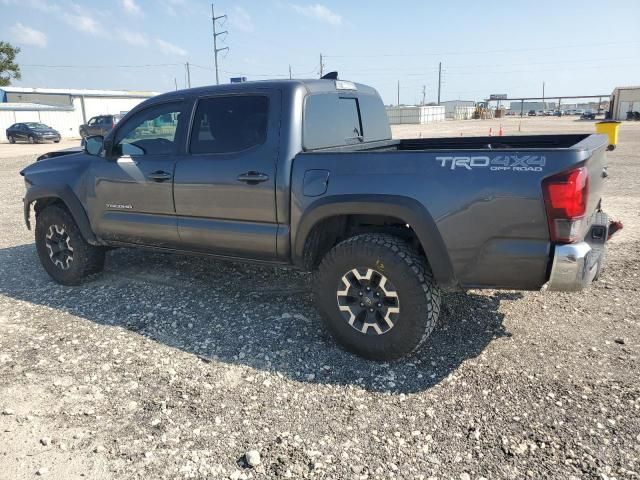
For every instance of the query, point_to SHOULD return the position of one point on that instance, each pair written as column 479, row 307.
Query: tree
column 8, row 67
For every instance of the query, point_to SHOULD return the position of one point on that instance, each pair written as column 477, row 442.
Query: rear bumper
column 574, row 267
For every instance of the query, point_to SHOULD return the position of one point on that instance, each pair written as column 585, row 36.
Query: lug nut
column 368, row 288
column 371, row 310
column 377, row 294
column 379, row 305
column 361, row 304
column 360, row 293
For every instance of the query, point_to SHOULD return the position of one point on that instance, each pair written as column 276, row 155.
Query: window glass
column 349, row 118
column 150, row 132
column 331, row 120
column 91, row 121
column 229, row 124
column 374, row 117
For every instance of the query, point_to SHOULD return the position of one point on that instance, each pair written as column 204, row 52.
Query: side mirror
column 93, row 145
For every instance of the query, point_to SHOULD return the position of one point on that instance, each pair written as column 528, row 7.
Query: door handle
column 253, row 178
column 159, row 176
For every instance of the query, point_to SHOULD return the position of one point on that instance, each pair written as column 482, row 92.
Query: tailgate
column 596, row 163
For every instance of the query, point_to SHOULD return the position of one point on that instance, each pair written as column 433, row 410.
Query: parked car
column 306, row 174
column 32, row 132
column 532, row 113
column 100, row 125
column 588, row 115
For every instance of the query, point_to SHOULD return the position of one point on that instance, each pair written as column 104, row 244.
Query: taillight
column 565, row 198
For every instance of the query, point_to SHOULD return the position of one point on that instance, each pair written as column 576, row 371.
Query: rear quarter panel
column 492, row 222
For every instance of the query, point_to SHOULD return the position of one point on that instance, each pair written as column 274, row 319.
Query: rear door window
column 227, row 124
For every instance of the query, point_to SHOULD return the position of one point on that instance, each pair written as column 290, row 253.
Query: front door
column 224, row 186
column 21, row 132
column 133, row 200
column 91, row 127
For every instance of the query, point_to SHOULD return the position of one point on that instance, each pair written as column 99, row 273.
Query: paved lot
column 174, row 367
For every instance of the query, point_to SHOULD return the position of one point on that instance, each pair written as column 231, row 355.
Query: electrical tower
column 216, row 50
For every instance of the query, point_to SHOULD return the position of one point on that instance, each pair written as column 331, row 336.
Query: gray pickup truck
column 306, row 174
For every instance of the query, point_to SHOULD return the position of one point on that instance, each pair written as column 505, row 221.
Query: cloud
column 241, row 20
column 319, row 12
column 131, row 7
column 28, row 36
column 173, row 7
column 169, row 48
column 134, row 38
column 83, row 22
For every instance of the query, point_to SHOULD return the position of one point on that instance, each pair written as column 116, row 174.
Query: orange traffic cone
column 500, row 132
column 490, row 132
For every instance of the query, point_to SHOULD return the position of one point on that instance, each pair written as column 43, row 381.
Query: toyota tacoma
column 305, row 173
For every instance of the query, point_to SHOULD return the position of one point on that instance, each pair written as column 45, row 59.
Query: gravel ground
column 176, row 367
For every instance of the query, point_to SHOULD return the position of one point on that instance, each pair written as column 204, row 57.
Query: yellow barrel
column 610, row 128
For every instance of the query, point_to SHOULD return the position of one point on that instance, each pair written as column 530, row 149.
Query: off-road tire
column 12, row 139
column 418, row 295
column 86, row 259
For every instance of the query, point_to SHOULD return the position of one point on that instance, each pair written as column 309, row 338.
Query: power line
column 39, row 65
column 475, row 52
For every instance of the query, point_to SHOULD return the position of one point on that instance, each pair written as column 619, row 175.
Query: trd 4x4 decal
column 515, row 163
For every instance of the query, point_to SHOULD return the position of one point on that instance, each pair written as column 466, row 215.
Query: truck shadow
column 262, row 317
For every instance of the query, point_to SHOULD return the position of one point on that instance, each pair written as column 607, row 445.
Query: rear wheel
column 377, row 296
column 31, row 139
column 63, row 252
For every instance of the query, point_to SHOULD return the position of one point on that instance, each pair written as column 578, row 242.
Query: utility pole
column 214, row 19
column 186, row 65
column 398, row 92
column 424, row 94
column 544, row 107
column 439, row 80
column 290, row 77
column 321, row 67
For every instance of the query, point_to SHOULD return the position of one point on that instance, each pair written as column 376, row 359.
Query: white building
column 63, row 109
column 624, row 100
column 459, row 109
column 415, row 114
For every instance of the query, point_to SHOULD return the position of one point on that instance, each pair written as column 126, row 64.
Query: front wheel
column 12, row 139
column 377, row 296
column 63, row 252
column 31, row 139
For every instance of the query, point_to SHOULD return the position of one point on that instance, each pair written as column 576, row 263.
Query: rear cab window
column 334, row 119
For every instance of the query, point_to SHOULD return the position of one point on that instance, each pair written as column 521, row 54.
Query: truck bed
column 483, row 194
column 515, row 142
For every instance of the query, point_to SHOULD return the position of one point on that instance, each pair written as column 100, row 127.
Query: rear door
column 133, row 200
column 105, row 124
column 224, row 185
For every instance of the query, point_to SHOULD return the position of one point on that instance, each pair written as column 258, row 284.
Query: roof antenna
column 330, row 76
